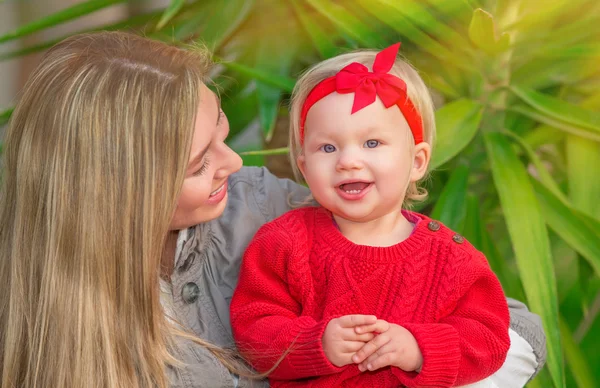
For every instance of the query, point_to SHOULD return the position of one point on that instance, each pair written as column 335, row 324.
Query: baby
column 359, row 292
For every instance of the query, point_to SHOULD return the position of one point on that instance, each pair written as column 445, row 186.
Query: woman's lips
column 217, row 195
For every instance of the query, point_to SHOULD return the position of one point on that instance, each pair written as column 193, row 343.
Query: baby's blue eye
column 328, row 148
column 371, row 143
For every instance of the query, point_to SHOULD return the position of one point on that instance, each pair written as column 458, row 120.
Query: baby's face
column 357, row 165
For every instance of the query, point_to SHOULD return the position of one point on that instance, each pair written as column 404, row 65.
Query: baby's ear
column 421, row 161
column 301, row 163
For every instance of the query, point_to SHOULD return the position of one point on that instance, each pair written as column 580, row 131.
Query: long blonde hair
column 417, row 92
column 94, row 159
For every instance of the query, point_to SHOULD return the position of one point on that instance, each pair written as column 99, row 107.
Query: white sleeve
column 519, row 366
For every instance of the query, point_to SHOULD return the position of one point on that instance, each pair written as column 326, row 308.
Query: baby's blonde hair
column 417, row 92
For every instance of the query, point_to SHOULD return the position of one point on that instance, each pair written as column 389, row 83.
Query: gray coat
column 206, row 270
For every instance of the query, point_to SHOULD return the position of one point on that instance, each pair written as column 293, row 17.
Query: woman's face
column 204, row 192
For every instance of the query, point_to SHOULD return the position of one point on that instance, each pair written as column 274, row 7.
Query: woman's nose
column 231, row 162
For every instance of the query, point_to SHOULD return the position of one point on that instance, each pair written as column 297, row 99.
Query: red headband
column 366, row 86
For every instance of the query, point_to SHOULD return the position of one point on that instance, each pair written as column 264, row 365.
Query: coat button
column 190, row 292
column 457, row 238
column 433, row 226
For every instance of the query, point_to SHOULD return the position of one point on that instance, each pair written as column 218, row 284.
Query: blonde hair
column 417, row 92
column 94, row 159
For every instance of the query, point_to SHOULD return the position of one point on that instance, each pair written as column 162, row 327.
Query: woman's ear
column 421, row 161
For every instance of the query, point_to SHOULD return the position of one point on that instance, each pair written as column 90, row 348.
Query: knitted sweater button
column 457, row 238
column 433, row 226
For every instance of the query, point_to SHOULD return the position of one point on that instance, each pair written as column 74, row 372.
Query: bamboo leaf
column 530, row 242
column 421, row 17
column 241, row 100
column 584, row 185
column 574, row 230
column 275, row 55
column 559, row 110
column 273, row 151
column 348, row 23
column 73, row 12
column 134, row 21
column 548, row 120
column 450, row 207
column 543, row 134
column 281, row 82
column 172, row 9
column 543, row 174
column 576, row 359
column 476, row 232
column 214, row 32
column 457, row 124
column 389, row 13
column 322, row 41
column 482, row 32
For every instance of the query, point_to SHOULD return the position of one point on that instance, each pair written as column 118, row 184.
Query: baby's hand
column 341, row 341
column 394, row 346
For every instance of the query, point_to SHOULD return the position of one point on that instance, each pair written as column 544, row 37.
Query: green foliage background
column 516, row 163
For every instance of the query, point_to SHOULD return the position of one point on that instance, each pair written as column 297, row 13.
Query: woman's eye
column 371, row 143
column 328, row 148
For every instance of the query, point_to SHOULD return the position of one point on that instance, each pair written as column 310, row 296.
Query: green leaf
column 272, row 151
column 548, row 120
column 574, row 230
column 482, row 32
column 214, row 31
column 348, row 23
column 559, row 110
column 275, row 55
column 241, row 107
column 74, row 12
column 322, row 41
column 5, row 116
column 457, row 124
column 281, row 82
column 174, row 7
column 542, row 172
column 576, row 359
column 134, row 21
column 390, row 13
column 423, row 18
column 476, row 232
column 543, row 134
column 450, row 207
column 584, row 185
column 530, row 242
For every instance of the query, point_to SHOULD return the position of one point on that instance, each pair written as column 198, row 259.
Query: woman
column 116, row 179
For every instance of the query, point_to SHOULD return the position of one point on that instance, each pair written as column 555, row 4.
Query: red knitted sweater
column 300, row 272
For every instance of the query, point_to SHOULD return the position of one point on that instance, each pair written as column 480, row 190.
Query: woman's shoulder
column 272, row 195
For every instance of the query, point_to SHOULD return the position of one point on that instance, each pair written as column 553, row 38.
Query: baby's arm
column 468, row 343
column 266, row 317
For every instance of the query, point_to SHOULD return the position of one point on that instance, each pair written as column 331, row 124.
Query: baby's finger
column 351, row 335
column 356, row 320
column 383, row 356
column 379, row 326
column 351, row 347
column 369, row 348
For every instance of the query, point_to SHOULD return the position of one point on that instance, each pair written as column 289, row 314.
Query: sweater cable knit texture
column 300, row 272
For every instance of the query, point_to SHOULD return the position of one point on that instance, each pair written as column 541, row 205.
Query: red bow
column 366, row 86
